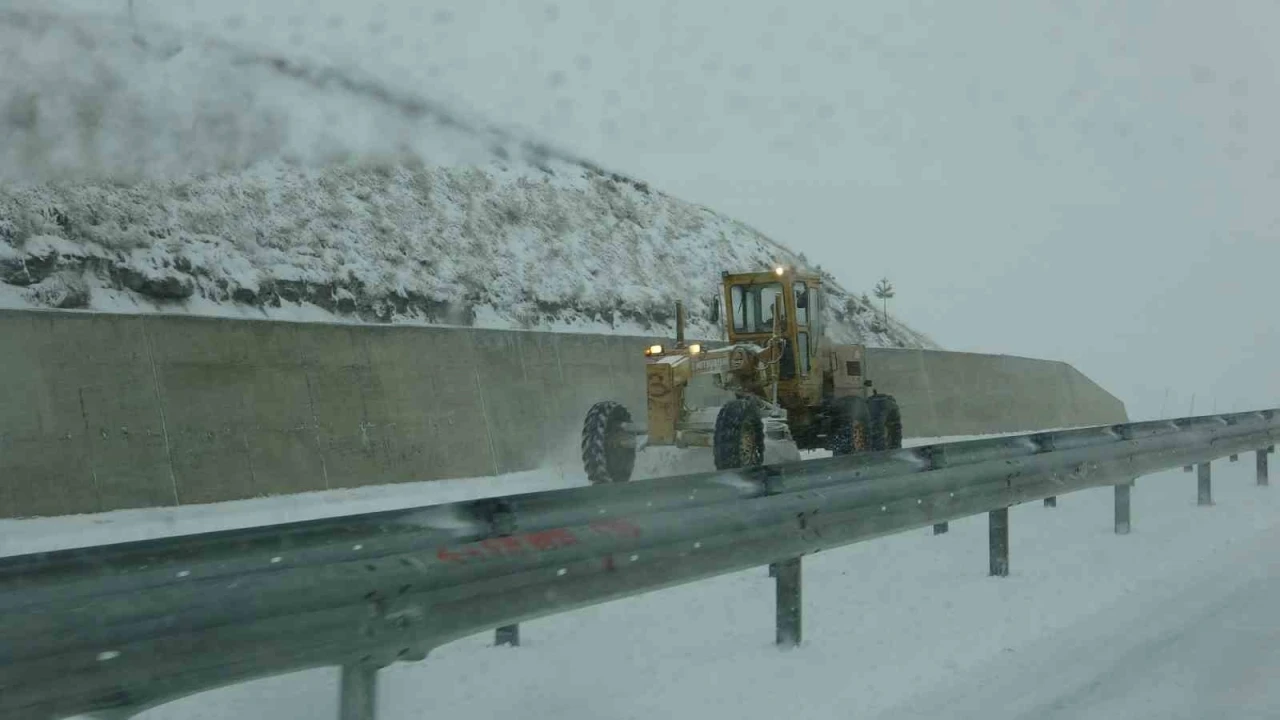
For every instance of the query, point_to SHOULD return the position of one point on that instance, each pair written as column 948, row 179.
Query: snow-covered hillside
column 145, row 171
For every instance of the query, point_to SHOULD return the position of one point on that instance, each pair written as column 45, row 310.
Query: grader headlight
column 694, row 349
column 653, row 350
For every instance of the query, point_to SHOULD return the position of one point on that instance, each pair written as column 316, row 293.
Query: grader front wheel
column 608, row 449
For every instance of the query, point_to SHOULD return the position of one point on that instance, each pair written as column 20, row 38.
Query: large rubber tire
column 739, row 438
column 606, row 455
column 886, row 422
column 851, row 426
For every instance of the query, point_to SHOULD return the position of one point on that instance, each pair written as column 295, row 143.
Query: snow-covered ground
column 216, row 179
column 1198, row 644
column 905, row 626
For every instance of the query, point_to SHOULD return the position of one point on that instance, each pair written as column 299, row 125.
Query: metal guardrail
column 117, row 629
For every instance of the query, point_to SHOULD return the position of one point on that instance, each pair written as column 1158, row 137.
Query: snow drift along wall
column 102, row 412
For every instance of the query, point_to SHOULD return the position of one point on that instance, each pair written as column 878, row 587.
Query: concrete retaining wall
column 101, row 412
column 950, row 393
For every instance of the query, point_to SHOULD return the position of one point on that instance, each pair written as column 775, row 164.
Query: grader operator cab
column 790, row 386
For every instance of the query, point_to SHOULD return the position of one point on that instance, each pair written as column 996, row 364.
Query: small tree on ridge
column 884, row 290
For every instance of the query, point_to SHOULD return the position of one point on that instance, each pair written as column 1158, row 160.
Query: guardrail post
column 998, row 526
column 1262, row 467
column 788, row 602
column 938, row 459
column 1122, row 508
column 359, row 694
column 503, row 523
column 507, row 635
column 1204, row 494
column 1051, row 501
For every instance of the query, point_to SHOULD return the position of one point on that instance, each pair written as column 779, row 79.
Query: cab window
column 752, row 307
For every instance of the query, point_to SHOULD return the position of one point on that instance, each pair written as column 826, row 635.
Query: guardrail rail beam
column 175, row 616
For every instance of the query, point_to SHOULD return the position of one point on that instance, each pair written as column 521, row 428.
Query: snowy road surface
column 1171, row 621
column 1207, row 647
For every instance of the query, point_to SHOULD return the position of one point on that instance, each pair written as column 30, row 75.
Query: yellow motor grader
column 790, row 386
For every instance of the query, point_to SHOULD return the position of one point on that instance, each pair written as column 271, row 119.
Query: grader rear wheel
column 739, row 436
column 608, row 450
column 851, row 431
column 886, row 423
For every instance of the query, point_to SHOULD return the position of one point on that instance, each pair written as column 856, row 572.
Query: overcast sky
column 1089, row 181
